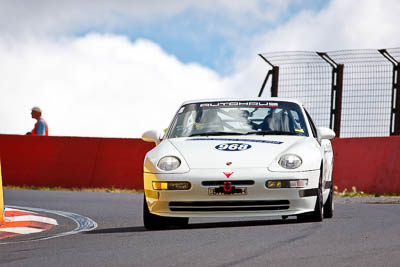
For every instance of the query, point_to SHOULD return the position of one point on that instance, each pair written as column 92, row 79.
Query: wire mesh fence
column 366, row 102
column 307, row 77
column 368, row 88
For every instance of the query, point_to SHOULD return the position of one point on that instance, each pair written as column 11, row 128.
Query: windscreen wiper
column 272, row 133
column 218, row 134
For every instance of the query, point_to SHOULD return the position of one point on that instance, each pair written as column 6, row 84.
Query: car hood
column 242, row 152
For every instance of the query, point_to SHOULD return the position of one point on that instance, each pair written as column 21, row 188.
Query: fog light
column 274, row 184
column 160, row 185
column 287, row 183
column 298, row 183
column 171, row 185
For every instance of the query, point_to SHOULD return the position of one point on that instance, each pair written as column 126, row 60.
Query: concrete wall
column 72, row 161
column 1, row 199
column 370, row 164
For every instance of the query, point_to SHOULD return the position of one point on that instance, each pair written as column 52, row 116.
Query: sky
column 119, row 68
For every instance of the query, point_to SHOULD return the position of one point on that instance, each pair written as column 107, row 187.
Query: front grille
column 233, row 182
column 245, row 205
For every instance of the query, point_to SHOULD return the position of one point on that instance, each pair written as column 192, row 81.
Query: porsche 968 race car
column 236, row 158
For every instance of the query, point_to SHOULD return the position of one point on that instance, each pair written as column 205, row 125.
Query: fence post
column 336, row 94
column 275, row 79
column 395, row 107
column 338, row 99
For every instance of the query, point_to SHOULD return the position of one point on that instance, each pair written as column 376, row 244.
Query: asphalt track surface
column 363, row 232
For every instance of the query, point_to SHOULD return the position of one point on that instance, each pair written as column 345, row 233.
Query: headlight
column 290, row 161
column 168, row 163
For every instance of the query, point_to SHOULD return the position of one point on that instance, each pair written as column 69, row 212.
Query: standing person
column 41, row 127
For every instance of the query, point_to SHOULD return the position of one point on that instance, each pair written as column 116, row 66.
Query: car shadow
column 195, row 226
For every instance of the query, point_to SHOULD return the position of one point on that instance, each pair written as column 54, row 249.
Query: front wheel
column 318, row 214
column 156, row 222
column 328, row 207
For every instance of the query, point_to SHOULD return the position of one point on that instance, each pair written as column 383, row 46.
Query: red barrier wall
column 72, row 161
column 370, row 164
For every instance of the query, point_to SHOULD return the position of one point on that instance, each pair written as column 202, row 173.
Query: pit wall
column 369, row 164
column 1, row 199
column 72, row 162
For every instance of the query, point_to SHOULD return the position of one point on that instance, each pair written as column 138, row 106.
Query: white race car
column 236, row 158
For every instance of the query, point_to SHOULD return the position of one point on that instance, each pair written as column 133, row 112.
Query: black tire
column 328, row 207
column 178, row 221
column 318, row 214
column 156, row 222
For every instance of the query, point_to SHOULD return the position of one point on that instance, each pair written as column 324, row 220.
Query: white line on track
column 84, row 224
column 32, row 218
column 10, row 209
column 22, row 230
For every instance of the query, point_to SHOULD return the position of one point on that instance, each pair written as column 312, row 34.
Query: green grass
column 355, row 193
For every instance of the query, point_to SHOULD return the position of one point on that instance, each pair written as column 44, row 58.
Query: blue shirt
column 40, row 127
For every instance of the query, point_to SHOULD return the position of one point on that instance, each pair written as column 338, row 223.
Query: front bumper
column 259, row 200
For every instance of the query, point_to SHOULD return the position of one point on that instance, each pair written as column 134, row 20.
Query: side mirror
column 326, row 133
column 151, row 136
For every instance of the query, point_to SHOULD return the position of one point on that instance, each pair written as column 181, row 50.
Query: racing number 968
column 233, row 147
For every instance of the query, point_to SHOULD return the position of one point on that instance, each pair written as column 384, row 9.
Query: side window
column 313, row 128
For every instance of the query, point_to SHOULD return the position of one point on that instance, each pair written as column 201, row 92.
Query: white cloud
column 342, row 24
column 25, row 17
column 106, row 85
column 98, row 85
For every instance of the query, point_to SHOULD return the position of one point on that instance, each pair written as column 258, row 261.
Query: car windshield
column 238, row 118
